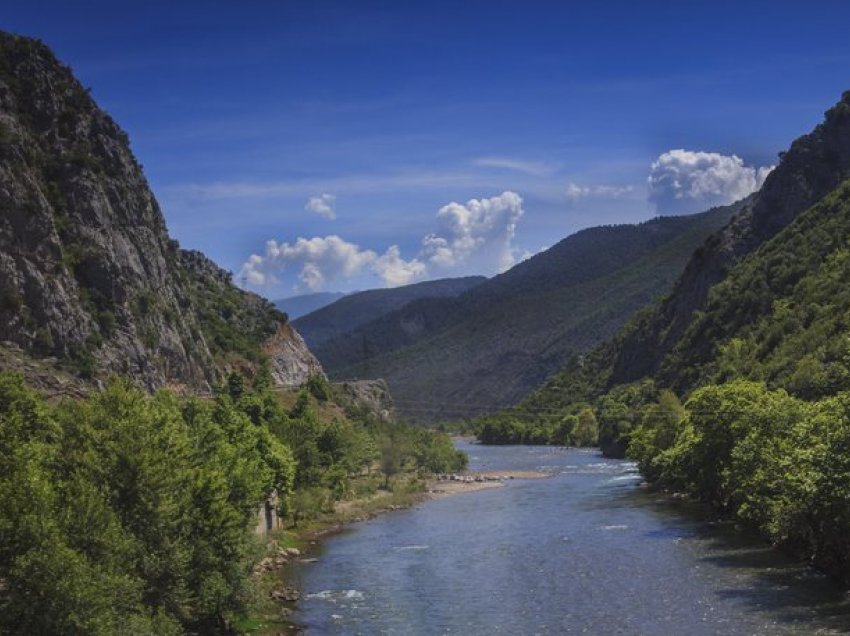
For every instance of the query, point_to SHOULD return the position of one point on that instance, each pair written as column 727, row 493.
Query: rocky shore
column 455, row 484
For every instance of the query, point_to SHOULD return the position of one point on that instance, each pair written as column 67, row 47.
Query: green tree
column 586, row 432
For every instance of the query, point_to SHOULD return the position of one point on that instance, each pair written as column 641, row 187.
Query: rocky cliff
column 813, row 166
column 89, row 277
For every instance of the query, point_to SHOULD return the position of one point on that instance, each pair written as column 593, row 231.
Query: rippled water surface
column 584, row 552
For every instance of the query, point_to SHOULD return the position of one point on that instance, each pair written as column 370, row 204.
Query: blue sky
column 548, row 116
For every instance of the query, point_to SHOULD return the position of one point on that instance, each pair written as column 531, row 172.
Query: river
column 586, row 551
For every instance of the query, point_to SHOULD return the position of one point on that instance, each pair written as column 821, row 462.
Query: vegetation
column 234, row 324
column 764, row 370
column 128, row 513
column 491, row 345
column 775, row 461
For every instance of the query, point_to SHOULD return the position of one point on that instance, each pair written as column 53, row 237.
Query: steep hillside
column 359, row 308
column 89, row 277
column 764, row 432
column 296, row 306
column 671, row 341
column 813, row 166
column 491, row 345
column 754, row 341
column 782, row 316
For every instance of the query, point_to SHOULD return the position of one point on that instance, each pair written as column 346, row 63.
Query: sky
column 312, row 145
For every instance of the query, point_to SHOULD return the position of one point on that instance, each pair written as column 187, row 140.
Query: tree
column 392, row 457
column 586, row 432
column 659, row 428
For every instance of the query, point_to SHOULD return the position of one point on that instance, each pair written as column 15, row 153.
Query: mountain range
column 762, row 299
column 297, row 306
column 359, row 308
column 458, row 355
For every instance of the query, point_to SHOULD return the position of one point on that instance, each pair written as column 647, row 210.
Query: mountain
column 346, row 314
column 813, row 166
column 677, row 342
column 296, row 306
column 91, row 284
column 490, row 346
column 735, row 389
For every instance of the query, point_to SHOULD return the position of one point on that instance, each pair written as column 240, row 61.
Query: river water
column 586, row 551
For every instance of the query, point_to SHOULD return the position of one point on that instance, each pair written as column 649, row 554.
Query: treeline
column 764, row 373
column 777, row 462
column 573, row 429
column 129, row 513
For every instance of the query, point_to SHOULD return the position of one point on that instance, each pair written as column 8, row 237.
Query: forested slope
column 493, row 344
column 746, row 404
column 663, row 342
column 348, row 313
column 125, row 510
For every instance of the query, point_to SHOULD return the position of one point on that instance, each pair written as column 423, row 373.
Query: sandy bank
column 445, row 485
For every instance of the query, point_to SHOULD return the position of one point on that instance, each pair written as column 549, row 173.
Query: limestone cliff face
column 88, row 273
column 291, row 360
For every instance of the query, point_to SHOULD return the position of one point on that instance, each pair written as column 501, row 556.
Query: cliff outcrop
column 89, row 276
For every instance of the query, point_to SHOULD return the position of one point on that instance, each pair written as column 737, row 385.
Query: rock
column 289, row 595
column 292, row 363
column 90, row 280
column 371, row 394
column 293, row 552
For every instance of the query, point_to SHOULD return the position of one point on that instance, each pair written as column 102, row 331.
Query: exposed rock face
column 291, row 360
column 88, row 273
column 371, row 394
column 44, row 375
column 814, row 165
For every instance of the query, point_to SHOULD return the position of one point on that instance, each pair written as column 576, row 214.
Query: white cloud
column 480, row 232
column 395, row 271
column 323, row 260
column 475, row 236
column 535, row 168
column 323, row 205
column 575, row 192
column 688, row 181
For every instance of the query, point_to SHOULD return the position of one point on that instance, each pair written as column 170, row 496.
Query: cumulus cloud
column 322, row 260
column 688, row 181
column 575, row 192
column 395, row 271
column 473, row 236
column 481, row 231
column 323, row 205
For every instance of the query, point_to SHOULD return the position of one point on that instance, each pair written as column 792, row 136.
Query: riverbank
column 575, row 546
column 279, row 596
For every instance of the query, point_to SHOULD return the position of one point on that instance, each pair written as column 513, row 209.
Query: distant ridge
column 359, row 308
column 297, row 306
column 501, row 339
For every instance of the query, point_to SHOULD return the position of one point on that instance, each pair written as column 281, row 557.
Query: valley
column 604, row 388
